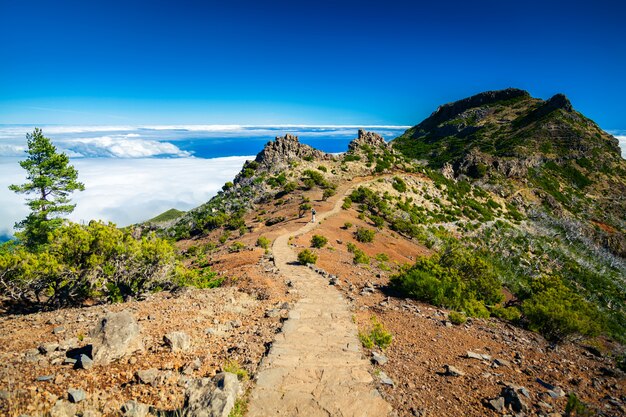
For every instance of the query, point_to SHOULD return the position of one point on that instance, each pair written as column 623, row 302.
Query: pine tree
column 51, row 179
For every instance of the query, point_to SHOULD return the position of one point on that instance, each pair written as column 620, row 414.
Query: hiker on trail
column 313, row 213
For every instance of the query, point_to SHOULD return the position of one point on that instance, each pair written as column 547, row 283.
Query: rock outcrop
column 371, row 139
column 276, row 155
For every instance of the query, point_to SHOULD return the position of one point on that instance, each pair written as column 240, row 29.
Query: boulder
column 147, row 376
column 177, row 341
column 212, row 398
column 116, row 335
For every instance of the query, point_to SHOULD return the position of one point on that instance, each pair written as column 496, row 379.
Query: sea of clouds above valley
column 132, row 173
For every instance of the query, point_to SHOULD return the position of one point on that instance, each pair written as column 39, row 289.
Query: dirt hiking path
column 314, row 367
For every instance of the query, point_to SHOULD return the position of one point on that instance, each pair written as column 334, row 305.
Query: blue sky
column 338, row 62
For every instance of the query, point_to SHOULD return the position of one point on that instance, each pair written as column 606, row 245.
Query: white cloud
column 122, row 146
column 622, row 144
column 127, row 191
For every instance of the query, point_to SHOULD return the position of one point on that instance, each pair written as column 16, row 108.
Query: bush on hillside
column 456, row 279
column 364, row 235
column 307, row 256
column 96, row 261
column 263, row 242
column 559, row 313
column 318, row 241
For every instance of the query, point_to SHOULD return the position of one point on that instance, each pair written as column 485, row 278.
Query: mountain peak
column 450, row 110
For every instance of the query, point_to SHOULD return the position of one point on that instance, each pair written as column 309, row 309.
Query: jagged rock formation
column 371, row 139
column 276, row 155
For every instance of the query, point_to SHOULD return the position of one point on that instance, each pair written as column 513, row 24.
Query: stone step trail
column 315, row 366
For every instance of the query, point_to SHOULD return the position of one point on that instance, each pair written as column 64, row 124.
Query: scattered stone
column 177, row 341
column 498, row 404
column 116, row 335
column 556, row 393
column 452, row 371
column 333, row 280
column 83, row 362
column 44, row 378
column 501, row 362
column 46, row 348
column 58, row 380
column 70, row 361
column 192, row 366
column 58, row 330
column 379, row 358
column 147, row 376
column 134, row 409
column 68, row 344
column 4, row 394
column 76, row 395
column 479, row 356
column 272, row 313
column 212, row 398
column 385, row 379
column 510, row 399
column 63, row 408
column 31, row 353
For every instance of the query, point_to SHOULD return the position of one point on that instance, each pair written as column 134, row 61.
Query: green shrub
column 263, row 242
column 318, row 179
column 322, row 168
column 228, row 186
column 382, row 257
column 364, row 235
column 456, row 279
column 457, row 318
column 351, row 247
column 360, row 257
column 199, row 278
column 290, row 187
column 347, row 225
column 398, row 184
column 304, row 208
column 96, row 260
column 235, row 368
column 575, row 407
column 377, row 335
column 328, row 192
column 237, row 247
column 511, row 314
column 307, row 257
column 347, row 203
column 559, row 313
column 318, row 241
